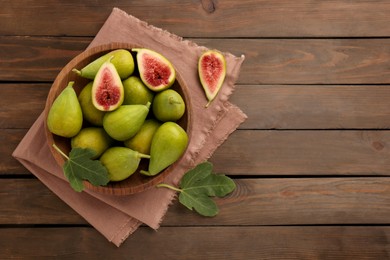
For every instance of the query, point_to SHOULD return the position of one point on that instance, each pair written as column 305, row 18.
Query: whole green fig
column 124, row 122
column 94, row 138
column 142, row 141
column 136, row 92
column 168, row 144
column 65, row 117
column 122, row 60
column 121, row 162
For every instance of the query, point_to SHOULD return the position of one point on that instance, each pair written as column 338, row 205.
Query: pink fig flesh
column 212, row 72
column 156, row 71
column 107, row 88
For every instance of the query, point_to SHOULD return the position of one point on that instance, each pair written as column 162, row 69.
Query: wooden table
column 311, row 163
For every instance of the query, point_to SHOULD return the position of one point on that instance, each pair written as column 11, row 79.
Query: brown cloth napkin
column 116, row 217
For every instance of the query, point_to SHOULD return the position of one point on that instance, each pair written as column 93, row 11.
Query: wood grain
column 206, row 18
column 267, row 106
column 23, row 103
column 311, row 163
column 267, row 61
column 290, row 201
column 304, row 153
column 36, row 59
column 197, row 243
column 268, row 152
column 9, row 139
column 314, row 106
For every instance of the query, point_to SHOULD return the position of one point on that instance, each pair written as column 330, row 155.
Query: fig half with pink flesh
column 212, row 72
column 156, row 71
column 107, row 88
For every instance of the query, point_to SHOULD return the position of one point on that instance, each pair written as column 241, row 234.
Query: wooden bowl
column 136, row 182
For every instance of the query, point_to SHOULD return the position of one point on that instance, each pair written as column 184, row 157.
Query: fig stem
column 61, row 152
column 145, row 173
column 78, row 72
column 168, row 186
column 141, row 155
column 208, row 103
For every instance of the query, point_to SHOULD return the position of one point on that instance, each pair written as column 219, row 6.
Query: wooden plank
column 304, row 153
column 37, row 59
column 9, row 139
column 268, row 61
column 309, row 61
column 281, row 201
column 209, row 18
column 314, row 106
column 22, row 104
column 272, row 152
column 197, row 243
column 31, row 202
column 267, row 106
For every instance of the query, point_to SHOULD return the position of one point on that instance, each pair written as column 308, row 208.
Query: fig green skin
column 101, row 86
column 94, row 138
column 65, row 117
column 168, row 145
column 168, row 105
column 142, row 141
column 121, row 162
column 136, row 93
column 90, row 112
column 124, row 122
column 122, row 60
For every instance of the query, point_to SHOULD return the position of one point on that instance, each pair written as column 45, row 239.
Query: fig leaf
column 198, row 185
column 79, row 166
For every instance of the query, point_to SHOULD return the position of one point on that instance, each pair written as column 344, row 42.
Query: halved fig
column 107, row 88
column 156, row 71
column 212, row 72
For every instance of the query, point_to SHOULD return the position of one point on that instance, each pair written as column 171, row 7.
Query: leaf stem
column 169, row 187
column 59, row 150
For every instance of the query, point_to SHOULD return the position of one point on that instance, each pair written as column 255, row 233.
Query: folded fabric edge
column 230, row 111
column 125, row 231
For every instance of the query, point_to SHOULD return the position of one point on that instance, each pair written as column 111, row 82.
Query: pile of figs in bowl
column 128, row 107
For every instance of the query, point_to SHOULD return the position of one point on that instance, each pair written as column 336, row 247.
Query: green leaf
column 75, row 182
column 214, row 185
column 201, row 171
column 202, row 203
column 198, row 185
column 87, row 169
column 79, row 166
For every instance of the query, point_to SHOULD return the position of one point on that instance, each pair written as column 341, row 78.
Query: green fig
column 142, row 141
column 168, row 145
column 94, row 138
column 125, row 122
column 136, row 92
column 122, row 60
column 90, row 112
column 107, row 89
column 168, row 105
column 155, row 70
column 65, row 117
column 212, row 72
column 121, row 162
